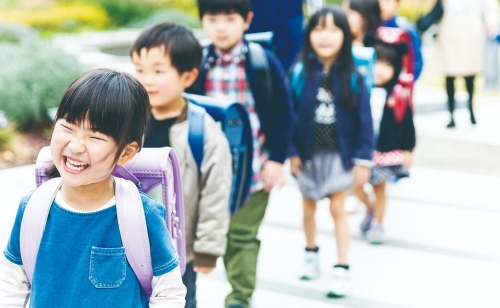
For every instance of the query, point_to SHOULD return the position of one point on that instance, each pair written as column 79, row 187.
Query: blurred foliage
column 60, row 18
column 78, row 15
column 124, row 12
column 188, row 6
column 16, row 33
column 173, row 15
column 33, row 78
column 6, row 137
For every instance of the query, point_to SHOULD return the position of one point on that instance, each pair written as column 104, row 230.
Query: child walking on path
column 395, row 132
column 227, row 72
column 166, row 59
column 388, row 12
column 333, row 134
column 81, row 232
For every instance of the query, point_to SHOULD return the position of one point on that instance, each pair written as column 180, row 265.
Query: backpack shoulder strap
column 196, row 136
column 398, row 101
column 259, row 60
column 298, row 79
column 33, row 223
column 134, row 232
column 355, row 88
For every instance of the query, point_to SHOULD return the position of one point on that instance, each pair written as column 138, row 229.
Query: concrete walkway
column 442, row 248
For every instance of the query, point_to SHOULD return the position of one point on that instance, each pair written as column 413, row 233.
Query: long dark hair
column 114, row 104
column 345, row 61
column 370, row 10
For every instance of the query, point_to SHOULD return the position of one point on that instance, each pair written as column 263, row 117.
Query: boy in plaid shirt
column 228, row 73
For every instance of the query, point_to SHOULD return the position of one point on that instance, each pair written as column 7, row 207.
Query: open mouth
column 74, row 165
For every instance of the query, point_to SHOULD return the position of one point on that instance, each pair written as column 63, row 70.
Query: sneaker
column 367, row 222
column 310, row 269
column 376, row 235
column 341, row 283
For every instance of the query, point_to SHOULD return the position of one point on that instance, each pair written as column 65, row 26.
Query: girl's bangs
column 320, row 19
column 96, row 103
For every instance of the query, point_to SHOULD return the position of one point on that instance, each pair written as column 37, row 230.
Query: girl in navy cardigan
column 333, row 135
column 394, row 131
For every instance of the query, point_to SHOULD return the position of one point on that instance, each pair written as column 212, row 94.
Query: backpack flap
column 158, row 171
column 236, row 125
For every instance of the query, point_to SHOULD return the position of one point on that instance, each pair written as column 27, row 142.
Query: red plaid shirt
column 227, row 78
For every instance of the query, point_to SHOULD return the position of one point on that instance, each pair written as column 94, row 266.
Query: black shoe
column 451, row 125
column 472, row 119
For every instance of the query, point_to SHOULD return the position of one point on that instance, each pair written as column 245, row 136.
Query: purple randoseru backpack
column 152, row 171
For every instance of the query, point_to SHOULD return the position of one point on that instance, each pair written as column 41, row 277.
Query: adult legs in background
column 189, row 280
column 450, row 91
column 469, row 83
column 243, row 247
column 342, row 234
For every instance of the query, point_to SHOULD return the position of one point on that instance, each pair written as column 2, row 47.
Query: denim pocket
column 108, row 267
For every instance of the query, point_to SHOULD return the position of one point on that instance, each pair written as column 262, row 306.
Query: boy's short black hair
column 241, row 7
column 179, row 42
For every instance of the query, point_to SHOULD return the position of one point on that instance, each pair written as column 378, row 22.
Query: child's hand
column 408, row 159
column 295, row 165
column 361, row 175
column 203, row 269
column 273, row 174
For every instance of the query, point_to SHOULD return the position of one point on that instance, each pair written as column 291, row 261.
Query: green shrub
column 33, row 78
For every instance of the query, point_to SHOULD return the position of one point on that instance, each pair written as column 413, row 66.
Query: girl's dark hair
column 390, row 53
column 241, row 7
column 370, row 10
column 179, row 43
column 114, row 104
column 345, row 61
